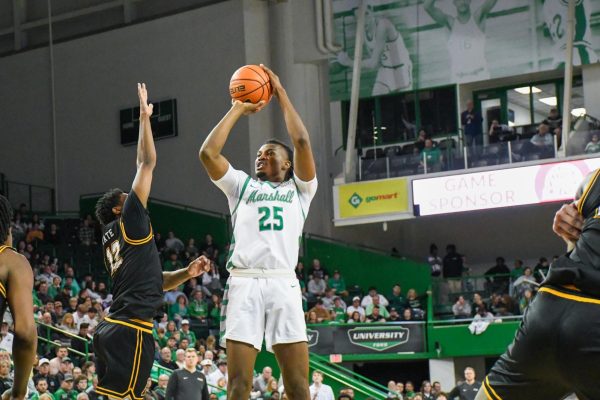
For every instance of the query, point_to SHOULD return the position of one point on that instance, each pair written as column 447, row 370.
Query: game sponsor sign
column 367, row 339
column 500, row 188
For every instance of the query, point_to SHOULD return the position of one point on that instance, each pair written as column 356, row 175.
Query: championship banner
column 373, row 198
column 367, row 339
column 500, row 188
column 451, row 42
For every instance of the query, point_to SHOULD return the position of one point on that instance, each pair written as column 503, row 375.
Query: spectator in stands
column 468, row 389
column 198, row 308
column 328, row 299
column 34, row 234
column 319, row 390
column 300, row 272
column 191, row 249
column 543, row 141
column 554, row 119
column 209, row 248
column 392, row 394
column 52, row 235
column 414, row 303
column 183, row 343
column 81, row 314
column 174, row 243
column 80, row 384
column 498, row 284
column 42, row 292
column 338, row 312
column 166, row 359
column 261, row 381
column 171, row 329
column 6, row 380
column 68, row 324
column 375, row 315
column 219, row 373
column 523, row 283
column 356, row 307
column 355, row 318
column 171, row 296
column 207, row 366
column 477, row 304
column 396, row 300
column 61, row 353
column 409, row 390
column 337, row 284
column 368, row 299
column 435, row 261
column 43, row 372
column 525, row 300
column 517, row 270
column 541, row 269
column 427, row 390
column 41, row 385
column 80, row 345
column 65, row 392
column 211, row 280
column 160, row 391
column 453, row 268
column 394, row 315
column 593, row 146
column 436, row 388
column 419, row 144
column 441, row 396
column 186, row 333
column 407, row 314
column 462, row 308
column 180, row 357
column 322, row 313
column 55, row 287
column 66, row 367
column 376, row 303
column 316, row 287
column 179, row 310
column 431, row 157
column 86, row 233
column 471, row 122
column 172, row 263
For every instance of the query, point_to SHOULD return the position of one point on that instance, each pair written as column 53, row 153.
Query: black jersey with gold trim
column 132, row 260
column 581, row 267
column 3, row 299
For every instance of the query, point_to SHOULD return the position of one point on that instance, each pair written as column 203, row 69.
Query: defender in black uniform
column 16, row 285
column 556, row 349
column 123, row 340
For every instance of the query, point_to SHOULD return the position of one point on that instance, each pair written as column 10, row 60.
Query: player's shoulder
column 11, row 257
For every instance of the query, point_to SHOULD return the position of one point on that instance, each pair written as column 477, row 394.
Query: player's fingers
column 566, row 231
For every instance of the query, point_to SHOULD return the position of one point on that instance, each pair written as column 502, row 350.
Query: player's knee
column 296, row 387
column 240, row 384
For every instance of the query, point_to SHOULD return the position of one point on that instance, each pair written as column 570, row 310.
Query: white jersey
column 267, row 219
column 556, row 16
column 466, row 47
column 394, row 55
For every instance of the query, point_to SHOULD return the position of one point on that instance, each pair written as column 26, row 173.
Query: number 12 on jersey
column 113, row 257
column 270, row 218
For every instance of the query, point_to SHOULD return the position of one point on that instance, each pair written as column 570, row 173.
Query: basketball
column 250, row 83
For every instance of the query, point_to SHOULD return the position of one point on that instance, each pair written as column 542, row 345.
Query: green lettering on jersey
column 256, row 197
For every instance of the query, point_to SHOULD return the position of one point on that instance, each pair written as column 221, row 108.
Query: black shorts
column 556, row 350
column 124, row 356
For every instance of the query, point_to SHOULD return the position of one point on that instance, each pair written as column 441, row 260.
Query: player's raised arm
column 146, row 153
column 197, row 267
column 304, row 163
column 373, row 60
column 20, row 286
column 438, row 15
column 210, row 153
column 482, row 12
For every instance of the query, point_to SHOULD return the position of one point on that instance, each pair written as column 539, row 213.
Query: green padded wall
column 365, row 267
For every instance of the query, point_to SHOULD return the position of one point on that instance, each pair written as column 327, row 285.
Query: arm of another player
column 304, row 163
column 482, row 12
column 197, row 267
column 437, row 15
column 210, row 153
column 568, row 224
column 20, row 282
column 146, row 153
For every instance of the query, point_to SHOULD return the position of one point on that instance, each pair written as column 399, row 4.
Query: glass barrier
column 36, row 198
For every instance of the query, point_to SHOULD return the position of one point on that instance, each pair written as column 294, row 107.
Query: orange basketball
column 251, row 84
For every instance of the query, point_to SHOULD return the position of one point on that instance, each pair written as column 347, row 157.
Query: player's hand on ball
column 248, row 108
column 568, row 223
column 145, row 108
column 199, row 266
column 275, row 82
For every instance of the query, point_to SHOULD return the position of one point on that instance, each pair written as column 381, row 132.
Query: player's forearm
column 24, row 349
column 173, row 279
column 214, row 143
column 295, row 127
column 146, row 152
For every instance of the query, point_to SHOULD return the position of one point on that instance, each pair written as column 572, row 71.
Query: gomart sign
column 372, row 198
column 500, row 188
column 366, row 339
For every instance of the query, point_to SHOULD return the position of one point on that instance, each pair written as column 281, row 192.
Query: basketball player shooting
column 387, row 54
column 262, row 296
column 466, row 43
column 123, row 341
column 554, row 352
column 16, row 285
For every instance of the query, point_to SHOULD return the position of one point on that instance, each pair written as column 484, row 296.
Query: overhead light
column 578, row 112
column 551, row 101
column 527, row 89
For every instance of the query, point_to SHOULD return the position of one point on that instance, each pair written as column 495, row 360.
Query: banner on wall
column 367, row 339
column 456, row 42
column 500, row 188
column 372, row 198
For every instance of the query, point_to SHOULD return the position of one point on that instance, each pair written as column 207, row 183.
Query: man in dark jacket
column 187, row 383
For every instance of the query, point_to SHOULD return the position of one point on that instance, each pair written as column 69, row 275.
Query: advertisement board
column 372, row 198
column 500, row 188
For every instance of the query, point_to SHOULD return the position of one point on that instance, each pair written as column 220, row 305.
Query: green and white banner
column 412, row 44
